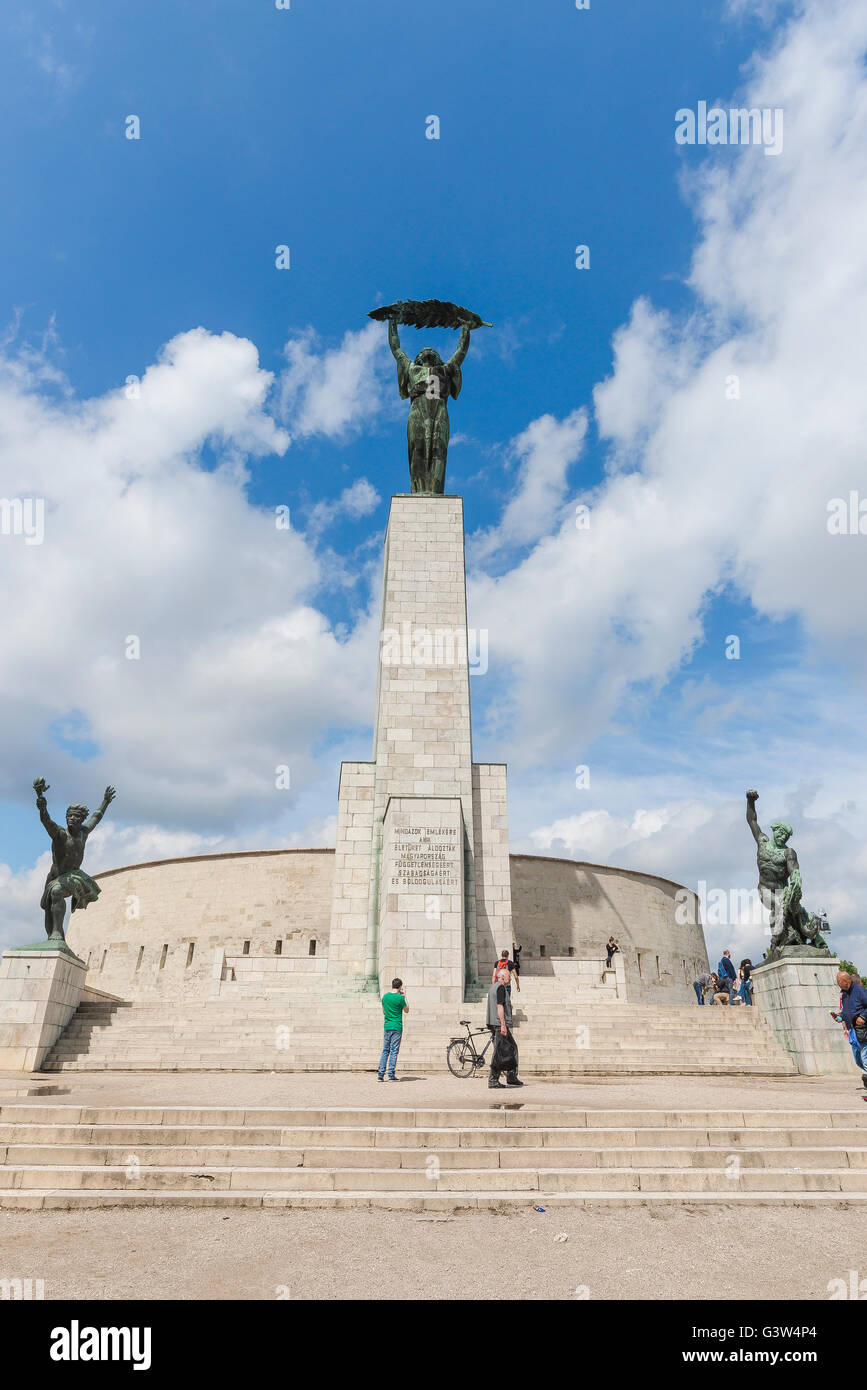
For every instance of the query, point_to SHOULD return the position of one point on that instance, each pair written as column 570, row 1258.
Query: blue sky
column 306, row 127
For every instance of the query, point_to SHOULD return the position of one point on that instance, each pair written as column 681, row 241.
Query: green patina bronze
column 66, row 878
column 428, row 382
column 780, row 889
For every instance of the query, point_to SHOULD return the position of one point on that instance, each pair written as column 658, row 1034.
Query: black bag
column 505, row 1056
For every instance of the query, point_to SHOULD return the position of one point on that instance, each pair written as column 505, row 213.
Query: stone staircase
column 559, row 1036
column 586, row 981
column 506, row 1156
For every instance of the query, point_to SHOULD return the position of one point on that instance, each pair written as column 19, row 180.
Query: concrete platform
column 414, row 1089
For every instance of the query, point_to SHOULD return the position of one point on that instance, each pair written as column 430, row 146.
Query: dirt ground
column 611, row 1253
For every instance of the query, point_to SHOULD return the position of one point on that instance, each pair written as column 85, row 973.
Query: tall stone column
column 422, row 783
column 422, row 740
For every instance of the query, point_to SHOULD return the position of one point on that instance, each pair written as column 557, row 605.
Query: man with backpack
column 726, row 971
column 507, row 967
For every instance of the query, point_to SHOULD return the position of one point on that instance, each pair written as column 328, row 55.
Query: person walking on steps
column 853, row 1016
column 505, row 1052
column 504, row 973
column 394, row 1006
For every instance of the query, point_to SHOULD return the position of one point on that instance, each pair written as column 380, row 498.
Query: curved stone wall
column 154, row 930
column 137, row 937
column 561, row 908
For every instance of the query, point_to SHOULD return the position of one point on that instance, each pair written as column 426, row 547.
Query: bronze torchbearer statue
column 66, row 878
column 428, row 382
column 780, row 888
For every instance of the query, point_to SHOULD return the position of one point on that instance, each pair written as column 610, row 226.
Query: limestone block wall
column 493, row 878
column 355, row 871
column 422, row 898
column 153, row 930
column 261, row 975
column 561, row 907
column 137, row 936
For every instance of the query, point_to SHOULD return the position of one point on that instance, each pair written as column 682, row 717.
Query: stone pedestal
column 40, row 990
column 422, row 758
column 421, row 931
column 796, row 993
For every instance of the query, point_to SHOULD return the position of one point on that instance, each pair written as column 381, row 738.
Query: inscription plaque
column 425, row 857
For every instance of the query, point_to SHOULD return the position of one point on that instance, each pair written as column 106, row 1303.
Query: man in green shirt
column 394, row 1006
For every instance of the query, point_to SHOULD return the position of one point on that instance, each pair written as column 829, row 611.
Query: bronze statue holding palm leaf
column 428, row 382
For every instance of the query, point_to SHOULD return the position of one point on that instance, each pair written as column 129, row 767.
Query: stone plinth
column 421, row 929
column 40, row 990
column 796, row 993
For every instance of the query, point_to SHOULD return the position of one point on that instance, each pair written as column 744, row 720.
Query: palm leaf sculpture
column 428, row 382
column 428, row 313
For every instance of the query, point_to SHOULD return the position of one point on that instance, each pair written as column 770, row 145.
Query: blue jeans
column 390, row 1048
column 746, row 991
column 699, row 992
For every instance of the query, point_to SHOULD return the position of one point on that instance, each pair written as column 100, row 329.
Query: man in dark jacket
column 505, row 1051
column 853, row 1009
column 726, row 971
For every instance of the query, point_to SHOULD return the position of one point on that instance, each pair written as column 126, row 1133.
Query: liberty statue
column 427, row 381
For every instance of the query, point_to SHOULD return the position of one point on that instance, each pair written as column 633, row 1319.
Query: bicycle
column 462, row 1055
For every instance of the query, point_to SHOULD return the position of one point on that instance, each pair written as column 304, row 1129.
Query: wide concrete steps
column 301, row 1032
column 504, row 1156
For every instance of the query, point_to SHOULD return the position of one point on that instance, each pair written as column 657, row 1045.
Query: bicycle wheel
column 459, row 1056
